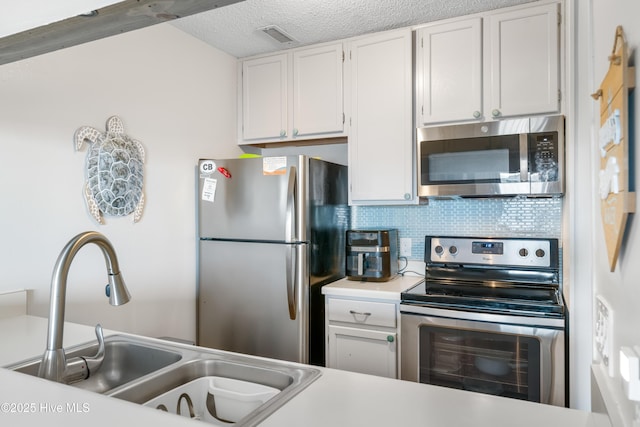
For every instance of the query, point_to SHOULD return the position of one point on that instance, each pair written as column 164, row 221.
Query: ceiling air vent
column 277, row 34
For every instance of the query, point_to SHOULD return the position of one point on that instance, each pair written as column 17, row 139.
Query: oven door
column 500, row 355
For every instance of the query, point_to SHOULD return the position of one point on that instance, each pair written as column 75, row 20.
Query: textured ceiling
column 234, row 29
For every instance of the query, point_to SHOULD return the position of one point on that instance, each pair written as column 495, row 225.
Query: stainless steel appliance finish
column 502, row 158
column 372, row 255
column 271, row 234
column 489, row 318
column 489, row 354
column 139, row 369
column 55, row 365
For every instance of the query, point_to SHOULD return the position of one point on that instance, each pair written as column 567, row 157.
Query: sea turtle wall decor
column 114, row 171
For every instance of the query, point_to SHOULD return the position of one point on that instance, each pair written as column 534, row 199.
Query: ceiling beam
column 108, row 21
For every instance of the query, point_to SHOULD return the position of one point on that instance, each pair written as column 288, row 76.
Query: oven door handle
column 546, row 368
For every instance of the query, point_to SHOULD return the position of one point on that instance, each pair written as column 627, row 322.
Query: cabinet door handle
column 360, row 313
column 477, row 114
column 495, row 113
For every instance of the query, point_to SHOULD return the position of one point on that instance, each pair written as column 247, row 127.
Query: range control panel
column 515, row 252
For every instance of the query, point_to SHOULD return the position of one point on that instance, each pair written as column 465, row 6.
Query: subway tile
column 507, row 217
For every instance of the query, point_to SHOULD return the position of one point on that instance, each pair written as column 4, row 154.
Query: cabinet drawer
column 362, row 312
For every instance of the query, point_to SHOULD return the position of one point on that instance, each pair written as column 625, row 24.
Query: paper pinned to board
column 609, row 178
column 610, row 132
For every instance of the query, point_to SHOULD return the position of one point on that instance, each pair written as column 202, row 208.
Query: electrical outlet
column 604, row 333
column 405, row 246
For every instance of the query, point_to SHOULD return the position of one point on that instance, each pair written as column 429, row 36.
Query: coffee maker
column 372, row 255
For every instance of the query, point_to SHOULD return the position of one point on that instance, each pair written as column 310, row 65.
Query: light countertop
column 389, row 290
column 337, row 398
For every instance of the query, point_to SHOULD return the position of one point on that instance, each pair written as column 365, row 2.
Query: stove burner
column 517, row 278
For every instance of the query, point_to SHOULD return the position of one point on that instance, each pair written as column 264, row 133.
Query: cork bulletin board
column 617, row 199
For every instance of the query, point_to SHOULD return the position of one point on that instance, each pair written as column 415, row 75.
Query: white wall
column 622, row 287
column 578, row 216
column 174, row 94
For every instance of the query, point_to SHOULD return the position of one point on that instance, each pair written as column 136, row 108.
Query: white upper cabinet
column 264, row 97
column 293, row 95
column 318, row 106
column 483, row 68
column 450, row 60
column 524, row 63
column 381, row 125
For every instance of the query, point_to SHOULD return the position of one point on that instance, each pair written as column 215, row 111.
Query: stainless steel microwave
column 502, row 158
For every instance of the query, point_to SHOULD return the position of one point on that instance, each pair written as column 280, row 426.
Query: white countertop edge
column 389, row 290
column 610, row 391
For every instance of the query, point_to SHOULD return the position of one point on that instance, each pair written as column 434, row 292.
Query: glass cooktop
column 523, row 299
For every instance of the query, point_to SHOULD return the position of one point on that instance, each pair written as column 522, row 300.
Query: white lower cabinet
column 362, row 350
column 362, row 336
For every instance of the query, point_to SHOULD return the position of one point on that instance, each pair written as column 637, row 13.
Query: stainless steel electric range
column 488, row 318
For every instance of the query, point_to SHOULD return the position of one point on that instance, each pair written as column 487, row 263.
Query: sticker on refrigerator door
column 209, row 189
column 207, row 167
column 224, row 171
column 274, row 165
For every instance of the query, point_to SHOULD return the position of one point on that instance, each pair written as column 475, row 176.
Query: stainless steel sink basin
column 144, row 391
column 124, row 362
column 138, row 369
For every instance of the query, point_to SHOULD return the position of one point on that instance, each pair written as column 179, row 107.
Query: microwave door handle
column 524, row 157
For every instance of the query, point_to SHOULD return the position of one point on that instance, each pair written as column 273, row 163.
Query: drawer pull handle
column 360, row 313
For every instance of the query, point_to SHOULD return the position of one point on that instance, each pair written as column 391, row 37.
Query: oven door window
column 478, row 160
column 486, row 362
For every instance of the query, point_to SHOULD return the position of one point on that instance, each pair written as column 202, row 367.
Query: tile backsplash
column 503, row 217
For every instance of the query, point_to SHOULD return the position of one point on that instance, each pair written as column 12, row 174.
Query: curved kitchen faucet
column 54, row 365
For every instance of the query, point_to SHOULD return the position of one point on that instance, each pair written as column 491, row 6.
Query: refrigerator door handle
column 290, row 236
column 291, row 281
column 290, row 224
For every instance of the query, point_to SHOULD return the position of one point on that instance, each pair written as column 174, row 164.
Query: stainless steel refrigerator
column 271, row 234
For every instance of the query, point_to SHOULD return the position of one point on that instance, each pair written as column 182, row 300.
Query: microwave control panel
column 543, row 157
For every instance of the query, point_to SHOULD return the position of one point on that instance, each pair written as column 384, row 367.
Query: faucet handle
column 80, row 368
column 93, row 363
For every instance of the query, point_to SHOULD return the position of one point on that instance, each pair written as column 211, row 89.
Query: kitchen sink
column 124, row 362
column 142, row 370
column 144, row 391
